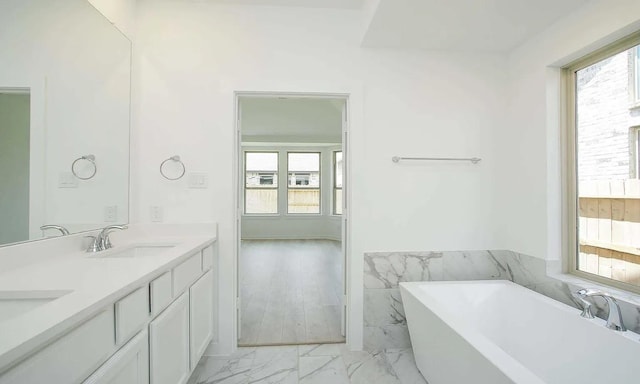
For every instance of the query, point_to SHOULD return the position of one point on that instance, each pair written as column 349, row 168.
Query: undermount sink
column 136, row 251
column 15, row 303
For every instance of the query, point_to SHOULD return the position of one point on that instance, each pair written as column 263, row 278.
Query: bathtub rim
column 504, row 362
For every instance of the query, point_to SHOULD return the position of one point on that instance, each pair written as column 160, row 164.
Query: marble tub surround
column 91, row 282
column 309, row 364
column 384, row 320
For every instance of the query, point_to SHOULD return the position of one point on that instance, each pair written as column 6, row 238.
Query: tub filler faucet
column 614, row 319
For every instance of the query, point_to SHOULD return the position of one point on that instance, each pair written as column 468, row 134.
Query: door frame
column 238, row 174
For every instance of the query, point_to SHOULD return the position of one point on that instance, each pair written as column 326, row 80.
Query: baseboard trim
column 293, row 238
column 284, row 344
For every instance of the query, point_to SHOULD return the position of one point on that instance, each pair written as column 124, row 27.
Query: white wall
column 190, row 57
column 14, row 167
column 121, row 13
column 77, row 66
column 528, row 148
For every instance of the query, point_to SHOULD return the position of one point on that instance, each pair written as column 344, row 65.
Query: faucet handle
column 103, row 237
column 588, row 292
column 586, row 305
column 94, row 246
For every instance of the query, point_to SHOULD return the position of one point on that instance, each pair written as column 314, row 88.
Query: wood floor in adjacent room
column 290, row 292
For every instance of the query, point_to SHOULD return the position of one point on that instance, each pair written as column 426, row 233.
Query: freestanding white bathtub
column 492, row 332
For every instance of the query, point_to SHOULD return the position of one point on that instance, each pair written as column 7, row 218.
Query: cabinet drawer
column 129, row 365
column 71, row 358
column 207, row 258
column 132, row 312
column 161, row 293
column 186, row 273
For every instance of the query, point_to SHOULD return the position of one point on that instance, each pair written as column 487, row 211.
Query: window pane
column 304, row 179
column 304, row 201
column 262, row 179
column 608, row 207
column 261, row 201
column 338, row 169
column 261, row 182
column 338, row 202
column 303, row 183
column 262, row 161
column 304, row 170
column 637, row 74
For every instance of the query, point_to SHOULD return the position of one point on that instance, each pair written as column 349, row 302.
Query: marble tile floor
column 290, row 292
column 308, row 364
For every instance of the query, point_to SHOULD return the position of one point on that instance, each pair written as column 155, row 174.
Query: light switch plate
column 67, row 180
column 198, row 180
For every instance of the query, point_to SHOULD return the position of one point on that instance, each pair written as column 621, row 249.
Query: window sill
column 634, row 106
column 579, row 281
column 258, row 215
column 285, row 216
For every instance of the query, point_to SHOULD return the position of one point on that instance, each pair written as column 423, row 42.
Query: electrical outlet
column 111, row 213
column 156, row 214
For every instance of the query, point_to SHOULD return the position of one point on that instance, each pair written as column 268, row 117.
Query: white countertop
column 94, row 282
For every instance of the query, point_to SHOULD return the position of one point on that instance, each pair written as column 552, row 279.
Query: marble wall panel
column 384, row 320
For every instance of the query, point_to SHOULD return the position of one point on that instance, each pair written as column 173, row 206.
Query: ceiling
column 443, row 25
column 469, row 25
column 341, row 4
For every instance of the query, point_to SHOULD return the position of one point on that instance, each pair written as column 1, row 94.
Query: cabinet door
column 130, row 365
column 201, row 310
column 169, row 344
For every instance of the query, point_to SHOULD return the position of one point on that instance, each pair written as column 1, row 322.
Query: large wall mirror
column 65, row 74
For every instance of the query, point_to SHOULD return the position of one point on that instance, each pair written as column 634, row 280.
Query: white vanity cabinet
column 201, row 316
column 169, row 344
column 130, row 365
column 155, row 333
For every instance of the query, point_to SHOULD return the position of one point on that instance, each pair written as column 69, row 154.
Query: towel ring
column 175, row 158
column 91, row 159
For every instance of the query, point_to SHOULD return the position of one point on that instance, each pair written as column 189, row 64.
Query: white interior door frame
column 238, row 203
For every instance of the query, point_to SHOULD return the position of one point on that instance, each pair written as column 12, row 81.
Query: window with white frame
column 303, row 187
column 337, row 182
column 261, row 183
column 605, row 197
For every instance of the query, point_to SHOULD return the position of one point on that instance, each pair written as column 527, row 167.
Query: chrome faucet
column 614, row 319
column 60, row 228
column 586, row 306
column 102, row 241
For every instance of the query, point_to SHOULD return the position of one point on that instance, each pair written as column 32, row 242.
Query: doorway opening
column 15, row 152
column 292, row 214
